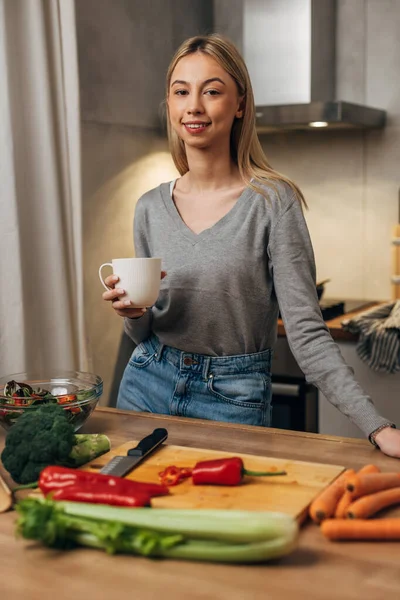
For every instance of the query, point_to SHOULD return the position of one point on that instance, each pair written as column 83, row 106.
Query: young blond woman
column 235, row 247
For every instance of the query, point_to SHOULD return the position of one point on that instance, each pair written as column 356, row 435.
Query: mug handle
column 101, row 278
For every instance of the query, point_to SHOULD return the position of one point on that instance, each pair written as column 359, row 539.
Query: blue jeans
column 164, row 380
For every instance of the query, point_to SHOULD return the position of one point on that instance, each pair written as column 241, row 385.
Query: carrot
column 347, row 498
column 343, row 505
column 361, row 529
column 324, row 505
column 366, row 506
column 369, row 483
column 368, row 469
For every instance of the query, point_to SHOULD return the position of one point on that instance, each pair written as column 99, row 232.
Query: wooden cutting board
column 5, row 496
column 291, row 493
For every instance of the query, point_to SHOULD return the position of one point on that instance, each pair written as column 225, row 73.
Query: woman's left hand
column 388, row 441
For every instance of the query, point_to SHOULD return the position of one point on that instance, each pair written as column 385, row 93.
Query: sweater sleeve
column 319, row 357
column 139, row 329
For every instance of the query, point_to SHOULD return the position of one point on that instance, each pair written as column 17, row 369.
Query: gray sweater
column 223, row 286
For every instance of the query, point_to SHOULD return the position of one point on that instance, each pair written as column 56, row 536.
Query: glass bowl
column 77, row 392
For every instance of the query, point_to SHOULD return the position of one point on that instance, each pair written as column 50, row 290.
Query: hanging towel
column 379, row 337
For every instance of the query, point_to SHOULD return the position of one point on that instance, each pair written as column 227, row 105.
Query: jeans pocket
column 141, row 356
column 248, row 390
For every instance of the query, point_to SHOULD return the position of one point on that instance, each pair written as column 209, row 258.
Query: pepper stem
column 26, row 486
column 262, row 473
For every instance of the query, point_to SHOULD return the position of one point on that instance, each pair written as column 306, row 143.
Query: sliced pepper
column 66, row 399
column 173, row 475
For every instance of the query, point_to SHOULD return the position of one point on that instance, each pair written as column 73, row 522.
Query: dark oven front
column 294, row 401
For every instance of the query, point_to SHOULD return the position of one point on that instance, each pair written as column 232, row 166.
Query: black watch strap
column 373, row 435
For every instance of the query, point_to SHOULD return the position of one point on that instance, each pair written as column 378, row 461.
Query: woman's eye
column 180, row 92
column 212, row 92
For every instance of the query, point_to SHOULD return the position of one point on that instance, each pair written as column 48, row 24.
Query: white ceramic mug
column 139, row 277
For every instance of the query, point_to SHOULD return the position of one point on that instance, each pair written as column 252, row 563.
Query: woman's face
column 203, row 101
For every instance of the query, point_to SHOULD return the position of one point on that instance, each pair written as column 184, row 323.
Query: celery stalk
column 205, row 535
column 227, row 525
column 232, row 553
column 207, row 551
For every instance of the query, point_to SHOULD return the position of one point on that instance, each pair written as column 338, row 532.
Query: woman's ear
column 240, row 110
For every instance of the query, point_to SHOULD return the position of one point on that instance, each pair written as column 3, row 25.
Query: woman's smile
column 203, row 101
column 196, row 127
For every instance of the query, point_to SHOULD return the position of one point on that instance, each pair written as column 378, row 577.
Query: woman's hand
column 388, row 441
column 123, row 308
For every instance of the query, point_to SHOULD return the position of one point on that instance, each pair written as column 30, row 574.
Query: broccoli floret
column 38, row 438
column 43, row 437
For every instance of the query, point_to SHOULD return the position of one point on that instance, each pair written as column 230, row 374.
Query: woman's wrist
column 138, row 315
column 372, row 437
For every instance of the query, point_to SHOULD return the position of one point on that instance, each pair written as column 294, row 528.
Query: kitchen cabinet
column 384, row 390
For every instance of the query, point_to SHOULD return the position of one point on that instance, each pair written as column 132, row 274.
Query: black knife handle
column 149, row 443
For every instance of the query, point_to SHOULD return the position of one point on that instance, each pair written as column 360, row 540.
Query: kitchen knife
column 119, row 466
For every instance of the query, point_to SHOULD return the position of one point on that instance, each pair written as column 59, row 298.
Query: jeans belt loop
column 159, row 352
column 206, row 368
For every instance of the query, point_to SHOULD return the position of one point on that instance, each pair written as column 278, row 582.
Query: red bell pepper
column 225, row 471
column 101, row 494
column 53, row 478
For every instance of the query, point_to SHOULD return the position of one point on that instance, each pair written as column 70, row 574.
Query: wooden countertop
column 318, row 569
column 335, row 325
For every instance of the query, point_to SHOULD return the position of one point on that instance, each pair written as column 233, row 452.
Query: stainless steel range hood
column 317, row 115
column 290, row 49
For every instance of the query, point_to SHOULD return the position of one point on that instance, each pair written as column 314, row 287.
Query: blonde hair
column 246, row 150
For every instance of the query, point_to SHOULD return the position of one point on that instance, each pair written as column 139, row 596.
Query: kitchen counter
column 335, row 325
column 318, row 569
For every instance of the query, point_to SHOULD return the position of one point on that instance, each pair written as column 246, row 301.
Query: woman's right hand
column 123, row 308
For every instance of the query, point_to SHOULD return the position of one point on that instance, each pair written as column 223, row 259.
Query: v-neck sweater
column 224, row 288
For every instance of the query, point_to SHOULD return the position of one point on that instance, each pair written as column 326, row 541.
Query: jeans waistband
column 215, row 365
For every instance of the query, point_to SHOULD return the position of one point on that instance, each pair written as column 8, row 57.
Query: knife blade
column 119, row 466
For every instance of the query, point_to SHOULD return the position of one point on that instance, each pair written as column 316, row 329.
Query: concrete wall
column 124, row 48
column 350, row 179
column 119, row 164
